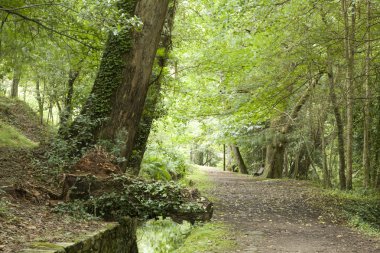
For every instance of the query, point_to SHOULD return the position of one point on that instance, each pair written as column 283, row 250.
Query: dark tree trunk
column 67, row 111
column 117, row 99
column 239, row 160
column 339, row 124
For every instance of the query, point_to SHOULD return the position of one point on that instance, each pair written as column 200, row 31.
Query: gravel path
column 273, row 216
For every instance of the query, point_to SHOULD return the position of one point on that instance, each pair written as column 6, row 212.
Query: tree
column 114, row 107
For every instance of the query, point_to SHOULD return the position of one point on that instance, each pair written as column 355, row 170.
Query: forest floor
column 279, row 216
column 26, row 217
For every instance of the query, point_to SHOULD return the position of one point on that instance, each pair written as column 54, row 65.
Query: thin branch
column 47, row 27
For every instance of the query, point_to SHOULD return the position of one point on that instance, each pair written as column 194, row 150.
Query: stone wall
column 115, row 238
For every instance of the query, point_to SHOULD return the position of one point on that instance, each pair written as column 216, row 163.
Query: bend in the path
column 274, row 216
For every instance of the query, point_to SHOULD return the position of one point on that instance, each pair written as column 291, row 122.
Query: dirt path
column 273, row 216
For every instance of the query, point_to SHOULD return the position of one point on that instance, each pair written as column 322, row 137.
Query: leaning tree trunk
column 150, row 113
column 117, row 99
column 239, row 159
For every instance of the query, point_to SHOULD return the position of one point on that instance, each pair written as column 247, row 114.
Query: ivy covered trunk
column 114, row 107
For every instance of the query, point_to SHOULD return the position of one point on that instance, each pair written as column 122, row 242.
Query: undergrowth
column 358, row 210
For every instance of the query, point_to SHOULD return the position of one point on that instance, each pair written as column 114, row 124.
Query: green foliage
column 162, row 235
column 162, row 163
column 11, row 137
column 75, row 209
column 135, row 198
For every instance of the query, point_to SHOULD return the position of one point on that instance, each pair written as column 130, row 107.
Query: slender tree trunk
column 15, row 83
column 224, row 157
column 325, row 169
column 239, row 160
column 349, row 39
column 367, row 118
column 67, row 111
column 40, row 102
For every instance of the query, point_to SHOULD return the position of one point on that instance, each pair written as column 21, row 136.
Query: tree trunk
column 349, row 40
column 40, row 102
column 68, row 107
column 150, row 112
column 274, row 162
column 15, row 83
column 339, row 125
column 366, row 110
column 325, row 169
column 224, row 157
column 127, row 111
column 117, row 99
column 239, row 160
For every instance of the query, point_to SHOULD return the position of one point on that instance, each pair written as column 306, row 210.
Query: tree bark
column 150, row 112
column 239, row 160
column 349, row 40
column 366, row 110
column 130, row 99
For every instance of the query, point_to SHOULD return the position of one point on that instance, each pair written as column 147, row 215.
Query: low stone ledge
column 115, row 238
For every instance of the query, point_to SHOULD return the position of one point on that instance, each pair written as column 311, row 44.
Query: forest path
column 274, row 216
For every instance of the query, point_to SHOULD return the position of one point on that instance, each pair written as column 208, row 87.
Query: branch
column 27, row 7
column 47, row 27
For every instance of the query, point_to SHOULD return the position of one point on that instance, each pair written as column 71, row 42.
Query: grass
column 11, row 137
column 209, row 237
column 206, row 237
column 198, row 179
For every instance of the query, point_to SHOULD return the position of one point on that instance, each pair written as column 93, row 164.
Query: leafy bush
column 136, row 198
column 163, row 164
